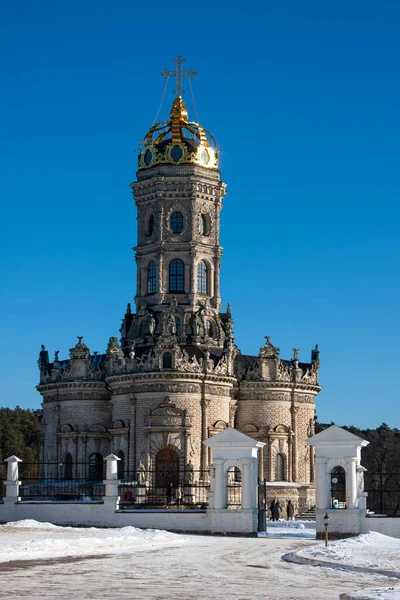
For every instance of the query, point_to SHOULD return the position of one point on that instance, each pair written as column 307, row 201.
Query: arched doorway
column 338, row 487
column 167, row 468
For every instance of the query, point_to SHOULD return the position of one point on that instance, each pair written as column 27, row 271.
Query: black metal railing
column 165, row 489
column 234, row 494
column 386, row 502
column 60, row 482
column 3, row 477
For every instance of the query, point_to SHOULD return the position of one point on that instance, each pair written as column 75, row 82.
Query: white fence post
column 12, row 483
column 111, row 482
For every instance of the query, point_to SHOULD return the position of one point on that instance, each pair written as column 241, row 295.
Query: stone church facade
column 176, row 376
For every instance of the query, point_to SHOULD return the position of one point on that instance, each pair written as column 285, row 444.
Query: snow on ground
column 290, row 529
column 373, row 594
column 42, row 561
column 29, row 540
column 370, row 550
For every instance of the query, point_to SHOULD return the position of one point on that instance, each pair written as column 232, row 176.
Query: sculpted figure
column 150, row 325
column 141, row 473
column 189, row 472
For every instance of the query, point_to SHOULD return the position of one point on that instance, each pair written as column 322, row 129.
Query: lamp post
column 326, row 523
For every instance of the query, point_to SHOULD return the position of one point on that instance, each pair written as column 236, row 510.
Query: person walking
column 290, row 511
column 277, row 511
column 272, row 509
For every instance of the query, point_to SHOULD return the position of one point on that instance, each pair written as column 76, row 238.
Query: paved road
column 213, row 569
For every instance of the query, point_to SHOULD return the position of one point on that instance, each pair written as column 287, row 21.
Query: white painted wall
column 103, row 515
column 386, row 525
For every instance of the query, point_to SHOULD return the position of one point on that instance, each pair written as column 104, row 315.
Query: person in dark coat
column 290, row 511
column 272, row 509
column 277, row 511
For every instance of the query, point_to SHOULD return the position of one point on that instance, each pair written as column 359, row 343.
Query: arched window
column 176, row 276
column 96, row 467
column 150, row 225
column 68, row 466
column 177, row 222
column 178, row 326
column 202, row 278
column 167, row 360
column 120, row 464
column 152, row 278
column 338, row 487
column 203, row 225
column 279, row 467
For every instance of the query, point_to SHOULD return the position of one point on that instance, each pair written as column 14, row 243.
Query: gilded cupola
column 178, row 141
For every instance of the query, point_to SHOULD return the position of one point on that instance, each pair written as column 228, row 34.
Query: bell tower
column 178, row 194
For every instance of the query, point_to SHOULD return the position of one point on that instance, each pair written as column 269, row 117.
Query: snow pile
column 29, row 540
column 372, row 551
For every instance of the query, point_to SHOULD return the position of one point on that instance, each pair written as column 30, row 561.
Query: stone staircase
column 307, row 515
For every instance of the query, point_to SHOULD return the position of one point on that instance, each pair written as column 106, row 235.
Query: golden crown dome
column 178, row 141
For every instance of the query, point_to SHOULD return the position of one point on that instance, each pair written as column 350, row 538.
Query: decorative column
column 160, row 257
column 270, row 465
column 294, row 411
column 248, row 488
column 192, row 289
column 290, row 457
column 220, row 485
column 12, row 483
column 132, row 438
column 321, row 484
column 351, row 482
column 261, row 464
column 312, row 465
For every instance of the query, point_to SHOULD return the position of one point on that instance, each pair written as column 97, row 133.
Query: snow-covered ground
column 368, row 551
column 296, row 529
column 43, row 561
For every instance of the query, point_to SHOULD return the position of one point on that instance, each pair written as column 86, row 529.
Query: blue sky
column 303, row 99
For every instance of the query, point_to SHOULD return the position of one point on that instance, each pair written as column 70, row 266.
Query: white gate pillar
column 337, row 447
column 111, row 482
column 12, row 483
column 232, row 448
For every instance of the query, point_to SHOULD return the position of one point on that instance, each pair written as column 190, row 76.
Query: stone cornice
column 281, row 386
column 170, row 377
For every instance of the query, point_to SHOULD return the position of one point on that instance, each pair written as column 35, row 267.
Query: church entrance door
column 167, row 468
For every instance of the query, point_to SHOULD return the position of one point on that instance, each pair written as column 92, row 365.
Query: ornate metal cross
column 178, row 74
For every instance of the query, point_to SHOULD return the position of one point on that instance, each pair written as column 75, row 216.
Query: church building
column 176, row 376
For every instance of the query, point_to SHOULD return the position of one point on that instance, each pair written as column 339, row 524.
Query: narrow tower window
column 177, row 222
column 176, row 276
column 152, row 278
column 203, row 225
column 202, row 278
column 279, row 467
column 150, row 225
column 178, row 326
